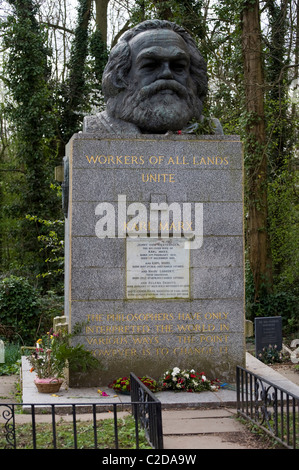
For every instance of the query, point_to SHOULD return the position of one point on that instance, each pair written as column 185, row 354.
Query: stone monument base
column 154, row 253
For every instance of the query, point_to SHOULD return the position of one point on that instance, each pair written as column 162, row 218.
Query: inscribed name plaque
column 154, row 252
column 157, row 268
column 268, row 331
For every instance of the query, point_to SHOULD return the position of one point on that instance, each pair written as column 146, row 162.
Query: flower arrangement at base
column 54, row 352
column 43, row 360
column 187, row 381
column 122, row 384
column 270, row 355
column 49, row 371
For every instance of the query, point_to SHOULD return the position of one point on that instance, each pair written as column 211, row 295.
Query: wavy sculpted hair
column 119, row 64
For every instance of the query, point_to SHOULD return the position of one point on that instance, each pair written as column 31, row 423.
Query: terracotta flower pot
column 49, row 385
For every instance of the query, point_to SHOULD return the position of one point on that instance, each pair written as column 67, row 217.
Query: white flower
column 174, row 379
column 192, row 371
column 186, row 375
column 203, row 378
column 175, row 371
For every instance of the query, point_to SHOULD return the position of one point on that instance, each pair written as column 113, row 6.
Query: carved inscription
column 157, row 161
column 158, row 334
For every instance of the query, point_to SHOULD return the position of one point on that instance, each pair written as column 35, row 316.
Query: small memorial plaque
column 2, row 352
column 157, row 268
column 268, row 331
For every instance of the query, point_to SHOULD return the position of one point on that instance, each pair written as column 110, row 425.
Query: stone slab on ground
column 92, row 395
column 206, row 429
column 199, row 422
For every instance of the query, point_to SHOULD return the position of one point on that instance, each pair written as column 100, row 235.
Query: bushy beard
column 165, row 105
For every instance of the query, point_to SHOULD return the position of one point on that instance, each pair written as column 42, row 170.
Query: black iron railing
column 269, row 406
column 147, row 410
column 35, row 423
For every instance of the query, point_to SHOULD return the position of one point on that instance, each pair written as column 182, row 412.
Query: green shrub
column 19, row 309
column 12, row 359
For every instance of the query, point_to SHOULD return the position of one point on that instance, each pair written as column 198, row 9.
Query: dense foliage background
column 52, row 58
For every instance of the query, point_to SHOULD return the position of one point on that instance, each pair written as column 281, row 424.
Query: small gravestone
column 268, row 331
column 1, row 352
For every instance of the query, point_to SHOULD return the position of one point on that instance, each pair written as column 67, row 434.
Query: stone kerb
column 148, row 305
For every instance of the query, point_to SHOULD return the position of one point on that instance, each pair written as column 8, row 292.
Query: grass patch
column 84, row 432
column 286, row 430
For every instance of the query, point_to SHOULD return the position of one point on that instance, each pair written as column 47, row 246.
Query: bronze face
column 155, row 81
column 159, row 55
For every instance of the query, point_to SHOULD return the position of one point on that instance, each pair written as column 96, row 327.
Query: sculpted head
column 155, row 78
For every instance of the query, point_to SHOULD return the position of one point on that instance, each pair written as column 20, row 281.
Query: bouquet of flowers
column 270, row 355
column 122, row 384
column 187, row 381
column 54, row 352
column 43, row 360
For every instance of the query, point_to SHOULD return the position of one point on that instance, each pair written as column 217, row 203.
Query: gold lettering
column 197, row 160
column 215, row 316
column 102, row 159
column 164, row 328
column 153, row 160
column 118, row 159
column 196, row 328
column 214, row 338
column 146, row 340
column 116, row 352
column 186, row 339
column 91, row 159
column 193, row 351
column 158, row 178
column 162, row 351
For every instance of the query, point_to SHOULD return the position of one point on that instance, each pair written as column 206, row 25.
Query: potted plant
column 50, row 372
column 54, row 354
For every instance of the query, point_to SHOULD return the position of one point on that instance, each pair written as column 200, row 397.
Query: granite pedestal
column 154, row 253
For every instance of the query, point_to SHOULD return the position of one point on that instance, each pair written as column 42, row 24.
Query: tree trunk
column 255, row 150
column 101, row 17
column 163, row 9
